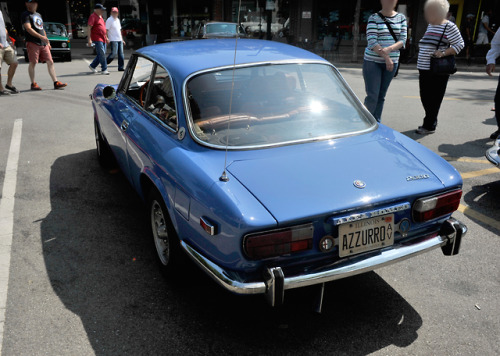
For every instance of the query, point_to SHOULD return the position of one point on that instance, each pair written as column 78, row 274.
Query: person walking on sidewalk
column 116, row 41
column 445, row 35
column 386, row 34
column 37, row 44
column 484, row 29
column 8, row 56
column 491, row 58
column 97, row 35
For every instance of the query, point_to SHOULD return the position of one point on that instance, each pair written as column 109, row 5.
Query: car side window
column 161, row 98
column 137, row 84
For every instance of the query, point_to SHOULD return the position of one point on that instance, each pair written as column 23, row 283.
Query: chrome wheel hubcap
column 160, row 233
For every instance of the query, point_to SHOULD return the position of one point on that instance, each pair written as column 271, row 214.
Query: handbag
column 444, row 65
column 393, row 34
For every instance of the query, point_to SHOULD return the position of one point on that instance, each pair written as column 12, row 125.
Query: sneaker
column 104, row 72
column 93, row 69
column 35, row 86
column 121, row 70
column 59, row 85
column 4, row 92
column 13, row 89
column 423, row 131
column 495, row 135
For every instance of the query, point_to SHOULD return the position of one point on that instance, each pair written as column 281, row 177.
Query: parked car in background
column 219, row 30
column 257, row 27
column 493, row 154
column 77, row 31
column 313, row 188
column 59, row 41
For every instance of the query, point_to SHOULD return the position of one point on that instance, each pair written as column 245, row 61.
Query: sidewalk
column 80, row 50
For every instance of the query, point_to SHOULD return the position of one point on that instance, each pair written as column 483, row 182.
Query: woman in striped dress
column 382, row 54
column 433, row 86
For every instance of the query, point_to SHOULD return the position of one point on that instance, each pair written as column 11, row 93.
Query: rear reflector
column 430, row 208
column 279, row 242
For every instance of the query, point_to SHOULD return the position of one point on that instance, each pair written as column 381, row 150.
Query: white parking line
column 7, row 219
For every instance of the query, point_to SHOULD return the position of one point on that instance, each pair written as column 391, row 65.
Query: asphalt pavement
column 82, row 278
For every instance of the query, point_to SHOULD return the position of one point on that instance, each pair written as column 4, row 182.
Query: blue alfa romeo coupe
column 263, row 167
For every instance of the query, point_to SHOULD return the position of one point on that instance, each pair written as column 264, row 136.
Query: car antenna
column 224, row 177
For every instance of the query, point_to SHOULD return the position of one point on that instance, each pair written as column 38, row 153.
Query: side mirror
column 109, row 93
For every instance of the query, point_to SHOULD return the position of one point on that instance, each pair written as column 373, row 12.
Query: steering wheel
column 143, row 87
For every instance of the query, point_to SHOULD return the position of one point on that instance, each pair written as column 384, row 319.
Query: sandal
column 13, row 89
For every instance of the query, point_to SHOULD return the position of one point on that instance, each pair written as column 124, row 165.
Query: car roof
column 187, row 57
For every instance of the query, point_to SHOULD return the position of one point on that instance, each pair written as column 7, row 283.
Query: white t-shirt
column 114, row 29
column 485, row 20
column 3, row 33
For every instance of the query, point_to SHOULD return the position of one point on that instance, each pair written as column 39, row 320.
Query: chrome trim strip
column 336, row 271
column 370, row 214
column 189, row 118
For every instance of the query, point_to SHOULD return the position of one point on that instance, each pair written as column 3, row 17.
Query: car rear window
column 272, row 105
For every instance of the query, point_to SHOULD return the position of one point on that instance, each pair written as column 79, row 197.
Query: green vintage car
column 59, row 41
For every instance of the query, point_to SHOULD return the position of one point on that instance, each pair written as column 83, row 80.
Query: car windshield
column 57, row 29
column 273, row 104
column 221, row 28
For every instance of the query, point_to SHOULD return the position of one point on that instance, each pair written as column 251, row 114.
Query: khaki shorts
column 8, row 56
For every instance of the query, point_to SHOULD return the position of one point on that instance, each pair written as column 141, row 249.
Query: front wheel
column 165, row 238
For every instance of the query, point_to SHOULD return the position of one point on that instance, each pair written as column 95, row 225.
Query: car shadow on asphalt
column 475, row 148
column 100, row 260
column 484, row 199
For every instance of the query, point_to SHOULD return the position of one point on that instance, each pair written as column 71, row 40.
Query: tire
column 166, row 243
column 26, row 58
column 68, row 58
column 104, row 154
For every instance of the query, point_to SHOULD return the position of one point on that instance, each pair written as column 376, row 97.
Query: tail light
column 279, row 242
column 434, row 207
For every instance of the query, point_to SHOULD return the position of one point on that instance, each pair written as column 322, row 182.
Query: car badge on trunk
column 359, row 184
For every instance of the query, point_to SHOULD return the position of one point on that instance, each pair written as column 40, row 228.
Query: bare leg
column 31, row 71
column 52, row 70
column 10, row 73
column 1, row 86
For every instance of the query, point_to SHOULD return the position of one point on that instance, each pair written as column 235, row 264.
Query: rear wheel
column 165, row 239
column 104, row 154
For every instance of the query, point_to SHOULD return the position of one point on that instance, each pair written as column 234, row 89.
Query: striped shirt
column 377, row 33
column 428, row 44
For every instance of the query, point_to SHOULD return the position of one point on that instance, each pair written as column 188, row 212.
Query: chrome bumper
column 275, row 282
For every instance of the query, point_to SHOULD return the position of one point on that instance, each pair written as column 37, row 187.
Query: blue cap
column 99, row 7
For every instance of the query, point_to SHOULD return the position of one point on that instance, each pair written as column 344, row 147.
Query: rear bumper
column 275, row 282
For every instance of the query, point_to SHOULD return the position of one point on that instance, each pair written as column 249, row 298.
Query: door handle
column 124, row 125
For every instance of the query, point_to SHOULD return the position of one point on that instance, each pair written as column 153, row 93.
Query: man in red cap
column 97, row 35
column 115, row 39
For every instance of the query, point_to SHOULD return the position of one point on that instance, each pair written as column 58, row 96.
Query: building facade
column 308, row 23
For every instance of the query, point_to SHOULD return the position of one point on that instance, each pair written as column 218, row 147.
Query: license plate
column 366, row 235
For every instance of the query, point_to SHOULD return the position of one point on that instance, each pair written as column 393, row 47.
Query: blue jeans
column 117, row 49
column 377, row 81
column 100, row 48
